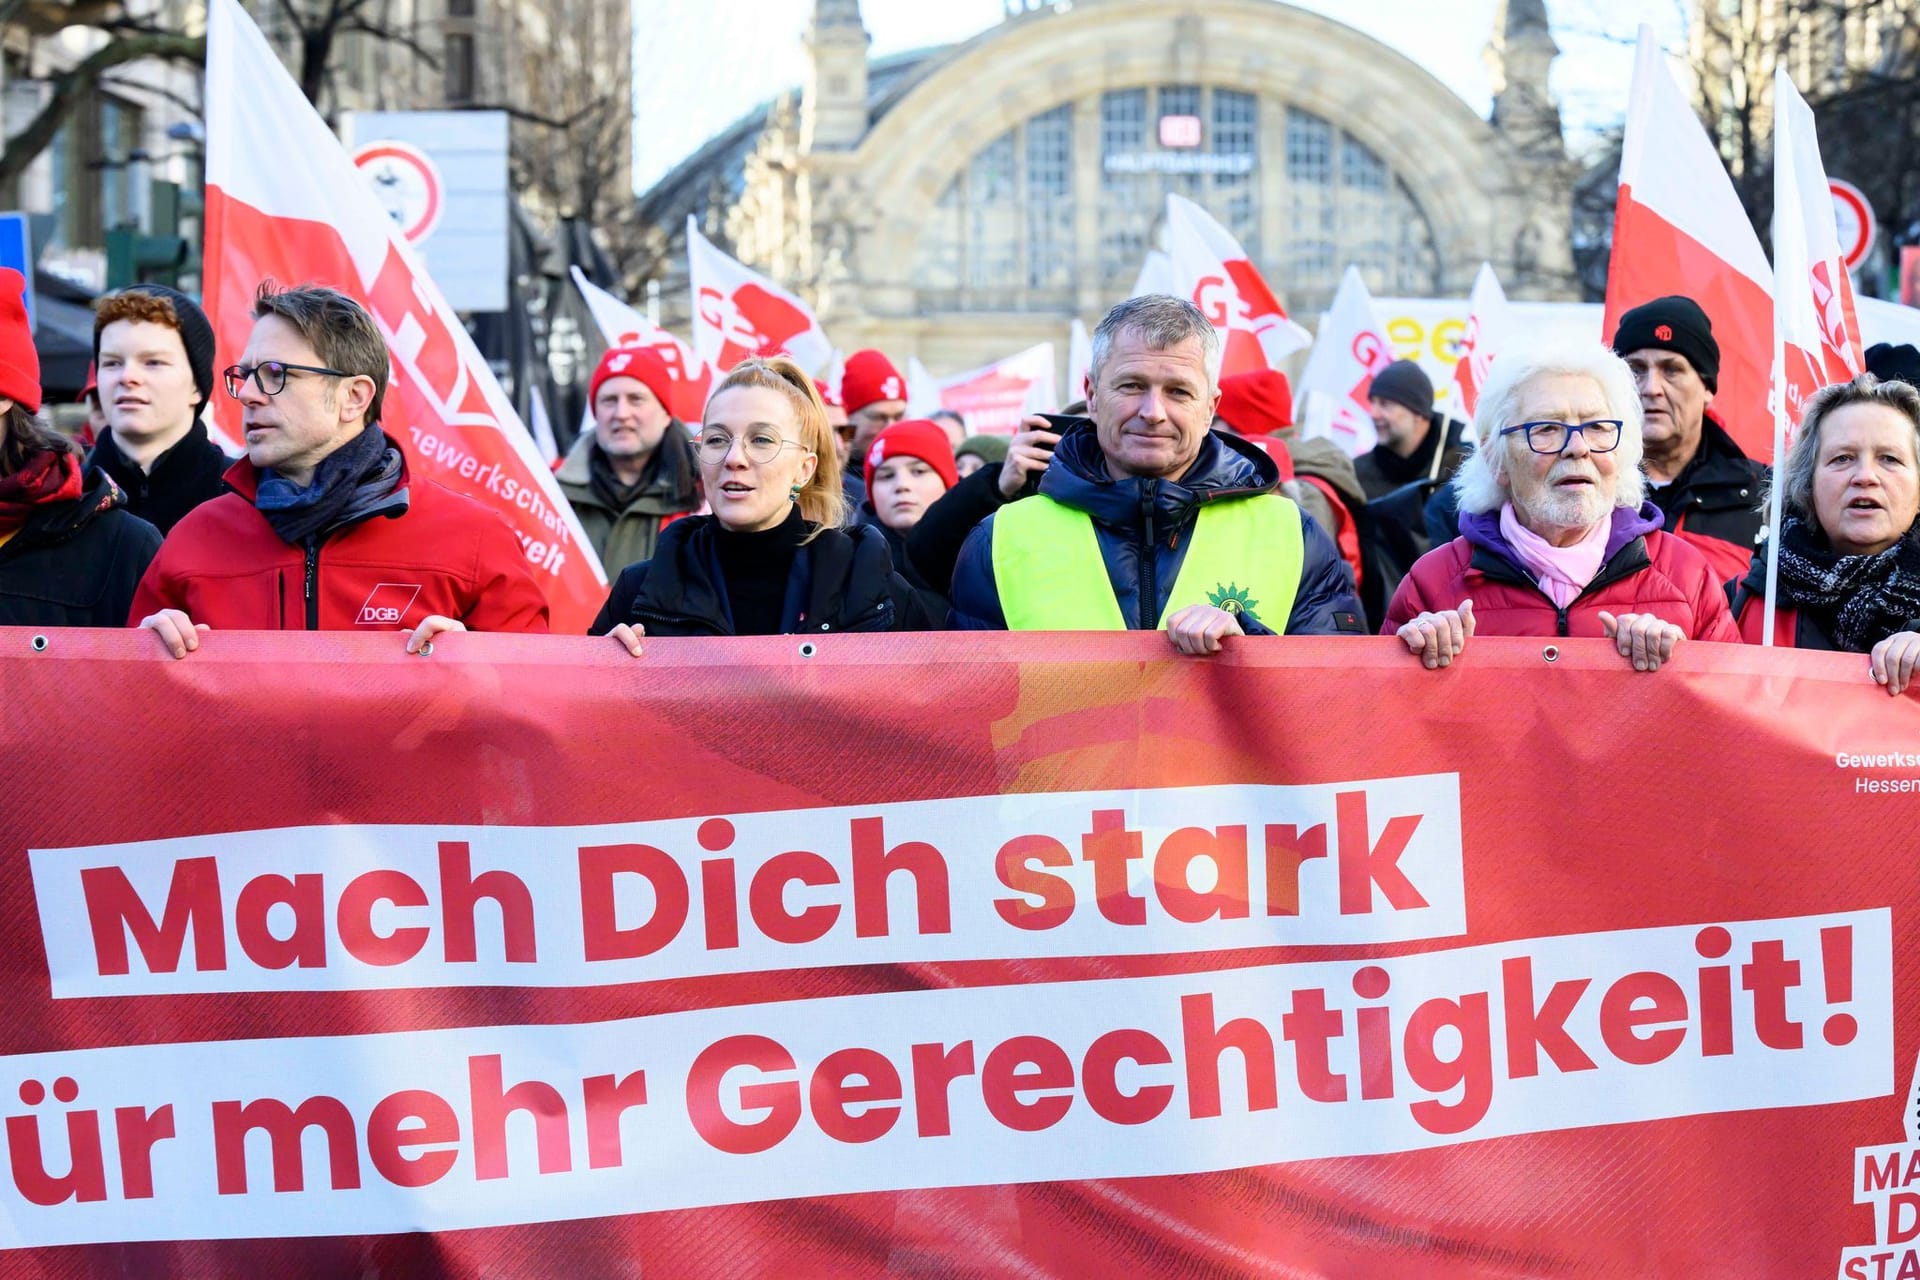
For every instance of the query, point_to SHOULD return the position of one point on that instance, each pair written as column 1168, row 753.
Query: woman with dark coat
column 1849, row 545
column 771, row 559
column 70, row 554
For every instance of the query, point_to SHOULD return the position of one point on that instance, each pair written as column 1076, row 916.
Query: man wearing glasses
column 1557, row 537
column 325, row 529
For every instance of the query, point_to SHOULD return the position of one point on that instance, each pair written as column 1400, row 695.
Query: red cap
column 914, row 438
column 869, row 377
column 93, row 383
column 19, row 362
column 826, row 394
column 1257, row 403
column 643, row 363
column 1276, row 448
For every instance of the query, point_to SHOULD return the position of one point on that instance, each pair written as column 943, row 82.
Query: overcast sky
column 701, row 64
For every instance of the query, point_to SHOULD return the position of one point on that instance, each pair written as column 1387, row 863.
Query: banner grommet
column 1551, row 653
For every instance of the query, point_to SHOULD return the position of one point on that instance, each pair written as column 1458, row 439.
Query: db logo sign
column 387, row 604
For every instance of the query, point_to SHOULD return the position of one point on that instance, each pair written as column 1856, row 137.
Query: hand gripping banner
column 776, row 955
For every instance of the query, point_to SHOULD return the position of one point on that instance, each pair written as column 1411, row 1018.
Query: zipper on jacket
column 313, row 585
column 280, row 594
column 1149, row 588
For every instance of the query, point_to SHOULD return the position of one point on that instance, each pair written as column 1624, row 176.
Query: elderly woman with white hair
column 1849, row 544
column 1556, row 537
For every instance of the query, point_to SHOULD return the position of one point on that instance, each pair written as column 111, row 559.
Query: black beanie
column 1894, row 364
column 1404, row 382
column 1672, row 323
column 196, row 336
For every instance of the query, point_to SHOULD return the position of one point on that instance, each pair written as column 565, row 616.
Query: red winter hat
column 1257, row 403
column 643, row 363
column 869, row 376
column 826, row 394
column 19, row 362
column 914, row 438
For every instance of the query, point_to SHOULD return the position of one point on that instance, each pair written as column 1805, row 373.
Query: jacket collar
column 1490, row 546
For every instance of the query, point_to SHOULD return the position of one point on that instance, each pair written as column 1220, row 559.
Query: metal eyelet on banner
column 1551, row 653
column 807, row 650
column 39, row 644
column 426, row 648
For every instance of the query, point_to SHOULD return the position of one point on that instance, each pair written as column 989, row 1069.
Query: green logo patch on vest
column 1234, row 599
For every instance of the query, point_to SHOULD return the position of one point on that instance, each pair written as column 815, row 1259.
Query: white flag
column 1351, row 348
column 923, row 389
column 1079, row 360
column 1156, row 275
column 1489, row 326
column 541, row 425
column 622, row 326
column 1211, row 269
column 737, row 312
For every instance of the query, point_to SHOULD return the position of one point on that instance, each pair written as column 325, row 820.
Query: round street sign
column 1853, row 218
column 406, row 183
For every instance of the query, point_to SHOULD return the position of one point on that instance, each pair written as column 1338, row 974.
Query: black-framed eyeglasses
column 271, row 375
column 1602, row 436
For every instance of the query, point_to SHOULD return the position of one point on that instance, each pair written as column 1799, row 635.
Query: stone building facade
column 961, row 203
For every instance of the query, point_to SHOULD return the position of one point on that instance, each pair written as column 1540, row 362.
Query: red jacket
column 447, row 554
column 1649, row 572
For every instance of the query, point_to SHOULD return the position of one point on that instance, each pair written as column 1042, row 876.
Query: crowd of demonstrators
column 1706, row 488
column 953, row 423
column 153, row 373
column 71, row 553
column 1849, row 544
column 773, row 557
column 1556, row 537
column 635, row 471
column 324, row 527
column 1416, row 444
column 1146, row 518
column 934, row 543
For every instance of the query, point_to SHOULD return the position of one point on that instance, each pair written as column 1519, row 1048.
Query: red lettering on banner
column 1531, row 1027
column 1770, row 975
column 832, row 1092
column 1621, row 1018
column 460, row 893
column 1312, row 1027
column 1014, row 865
column 85, row 1179
column 283, row 1126
column 1288, row 849
column 603, row 938
column 492, row 1104
column 1909, row 1268
column 1110, row 847
column 354, row 919
column 1202, row 1044
column 389, row 1137
column 1885, row 1177
column 608, row 1099
column 935, row 1068
column 193, row 902
column 1365, row 864
column 767, row 897
column 779, row 1099
column 1027, row 1064
column 1470, row 1069
column 137, row 1131
column 1226, row 850
column 306, row 945
column 1903, row 1217
column 1100, row 1077
column 874, row 864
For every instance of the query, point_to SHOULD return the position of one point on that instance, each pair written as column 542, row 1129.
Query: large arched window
column 1005, row 234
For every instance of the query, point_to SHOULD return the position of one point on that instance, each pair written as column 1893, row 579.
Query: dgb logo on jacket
column 386, row 605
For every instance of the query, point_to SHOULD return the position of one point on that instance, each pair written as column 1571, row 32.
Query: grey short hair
column 1162, row 321
column 1478, row 480
column 1796, row 477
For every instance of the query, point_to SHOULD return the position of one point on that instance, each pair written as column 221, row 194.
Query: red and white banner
column 1678, row 227
column 1085, row 955
column 314, row 221
column 1816, row 325
column 1209, row 266
column 737, row 312
column 1489, row 327
column 1351, row 348
column 993, row 399
column 622, row 326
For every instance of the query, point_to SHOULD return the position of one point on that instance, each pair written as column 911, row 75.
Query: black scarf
column 357, row 481
column 1858, row 600
column 607, row 486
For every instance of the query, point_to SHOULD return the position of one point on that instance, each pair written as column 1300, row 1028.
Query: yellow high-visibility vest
column 1245, row 557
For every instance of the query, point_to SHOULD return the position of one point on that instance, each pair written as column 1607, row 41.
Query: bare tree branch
column 71, row 87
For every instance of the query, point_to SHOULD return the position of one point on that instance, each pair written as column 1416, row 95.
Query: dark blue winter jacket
column 1140, row 521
